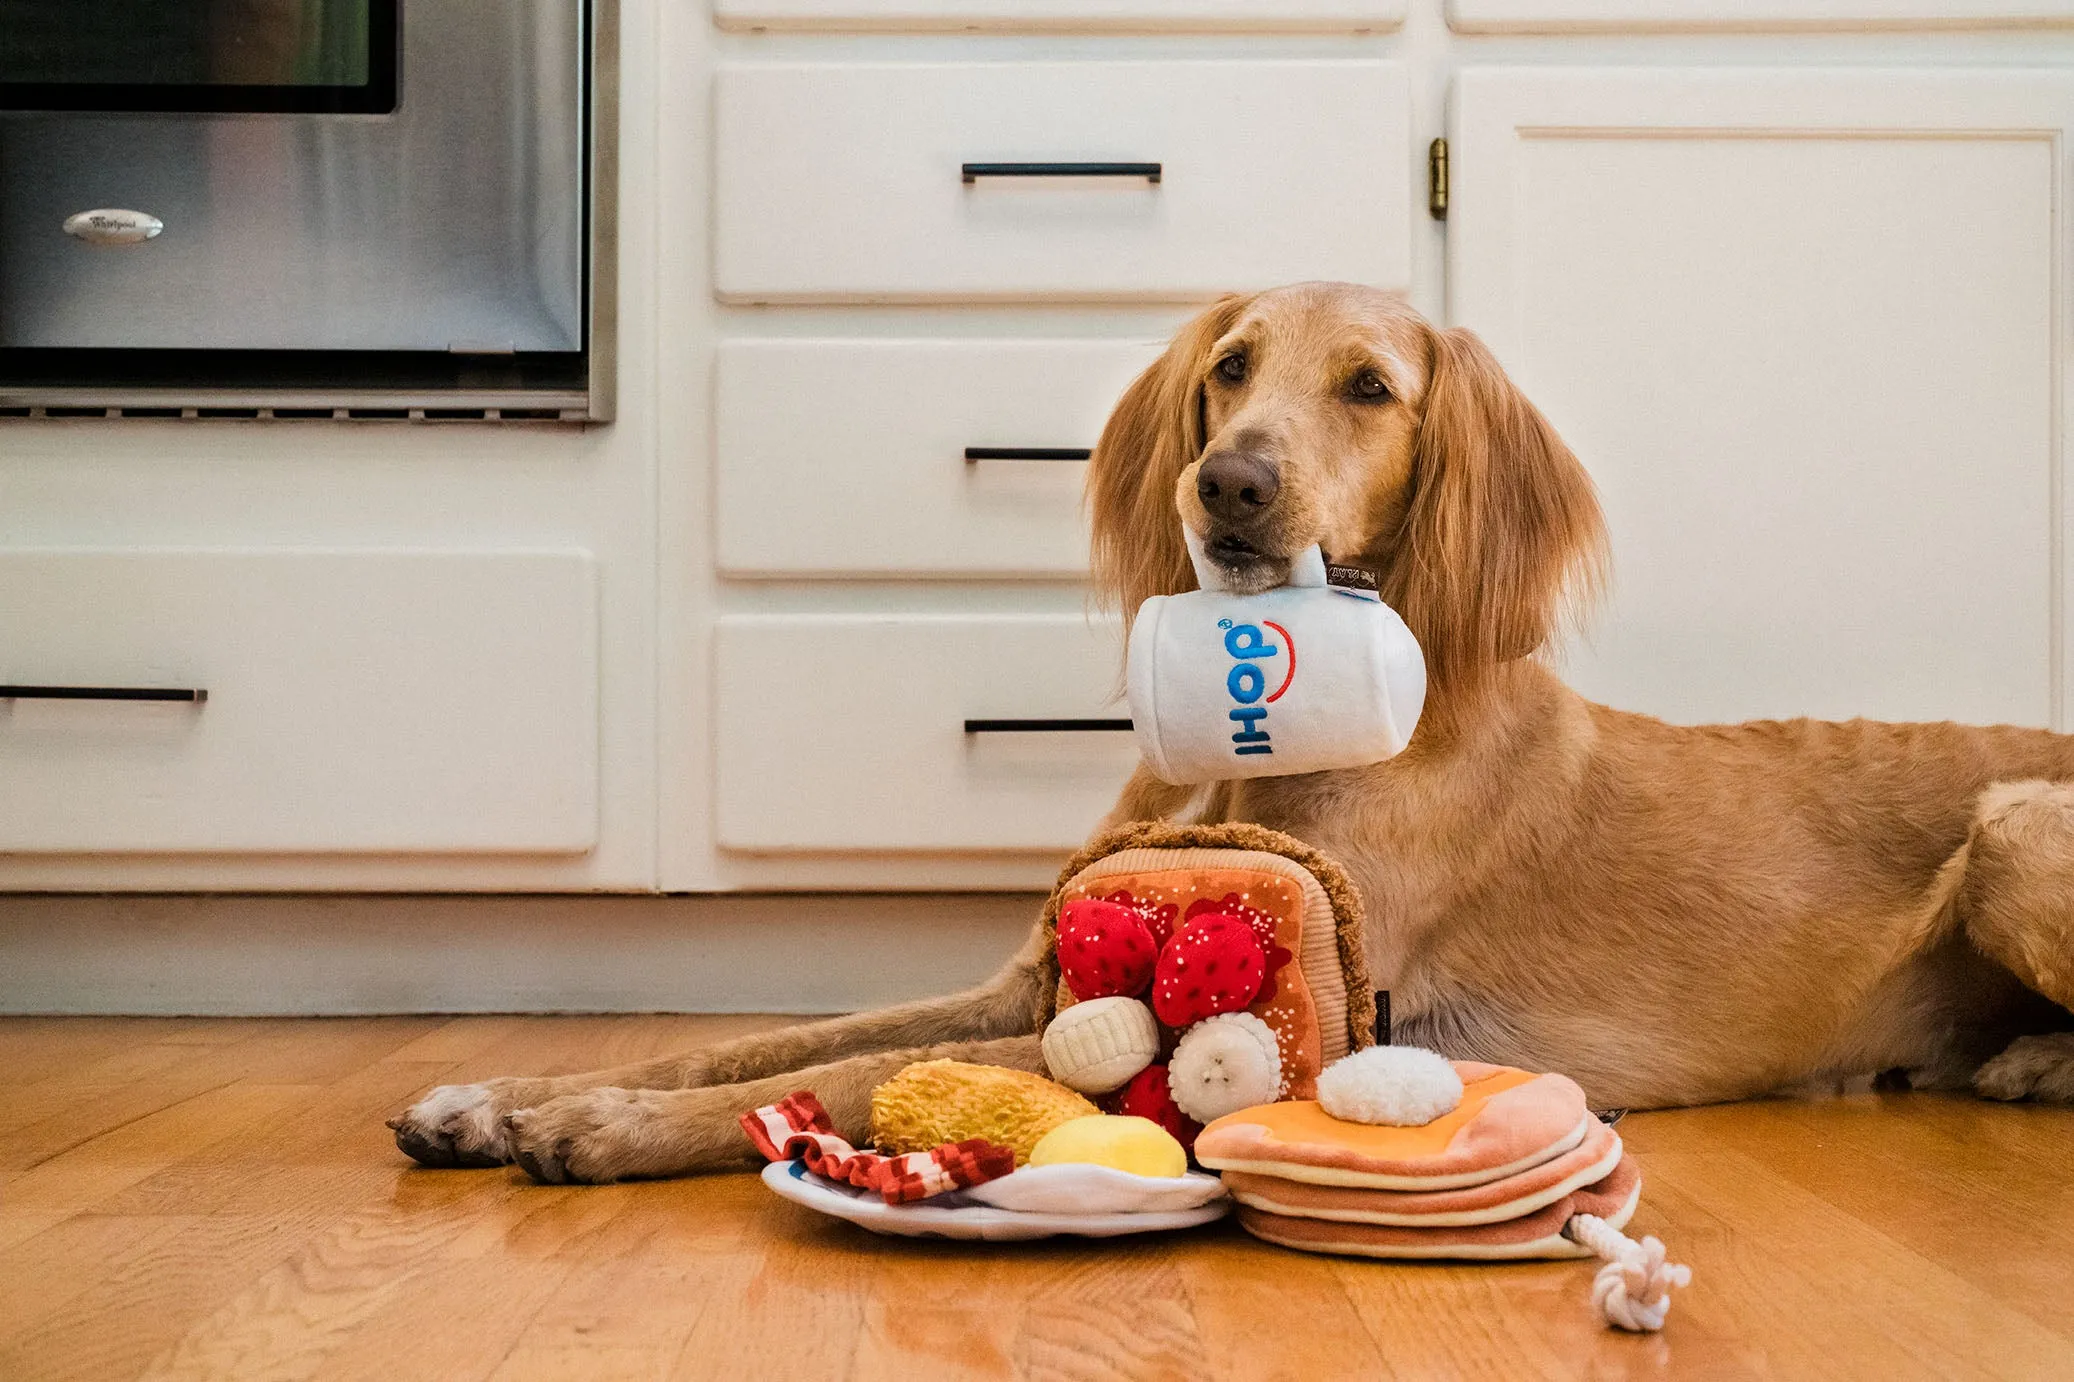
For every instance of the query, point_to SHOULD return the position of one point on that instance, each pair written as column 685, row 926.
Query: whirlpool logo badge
column 1247, row 681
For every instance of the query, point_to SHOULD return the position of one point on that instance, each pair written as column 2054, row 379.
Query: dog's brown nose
column 1236, row 486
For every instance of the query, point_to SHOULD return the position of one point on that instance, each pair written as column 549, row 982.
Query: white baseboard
column 246, row 955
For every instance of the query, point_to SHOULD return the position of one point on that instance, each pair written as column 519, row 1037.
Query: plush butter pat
column 1397, row 1086
column 1136, row 1145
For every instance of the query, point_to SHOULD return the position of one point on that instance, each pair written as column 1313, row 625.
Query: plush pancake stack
column 1499, row 1175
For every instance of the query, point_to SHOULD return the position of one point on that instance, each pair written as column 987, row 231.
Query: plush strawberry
column 1263, row 924
column 1147, row 1096
column 1105, row 950
column 1213, row 965
column 1159, row 917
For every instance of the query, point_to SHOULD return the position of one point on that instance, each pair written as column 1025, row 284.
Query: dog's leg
column 463, row 1125
column 627, row 1134
column 2015, row 901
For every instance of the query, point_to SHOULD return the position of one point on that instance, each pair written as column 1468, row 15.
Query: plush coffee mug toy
column 1298, row 679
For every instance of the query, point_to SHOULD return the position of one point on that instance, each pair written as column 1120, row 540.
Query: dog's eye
column 1232, row 368
column 1368, row 385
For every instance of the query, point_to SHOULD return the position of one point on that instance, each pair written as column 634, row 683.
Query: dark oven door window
column 199, row 55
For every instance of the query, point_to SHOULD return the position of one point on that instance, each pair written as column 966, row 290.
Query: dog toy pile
column 1314, row 675
column 1405, row 1154
column 1211, row 992
column 1202, row 969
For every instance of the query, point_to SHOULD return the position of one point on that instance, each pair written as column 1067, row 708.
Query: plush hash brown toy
column 933, row 1102
column 1202, row 969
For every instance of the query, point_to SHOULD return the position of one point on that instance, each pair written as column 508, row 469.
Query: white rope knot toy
column 1633, row 1289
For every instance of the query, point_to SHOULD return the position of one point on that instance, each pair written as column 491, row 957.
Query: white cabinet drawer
column 378, row 701
column 1059, row 14
column 848, row 732
column 846, row 182
column 874, row 476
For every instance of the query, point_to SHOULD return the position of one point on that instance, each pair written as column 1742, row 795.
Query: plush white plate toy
column 1182, row 1202
column 1299, row 679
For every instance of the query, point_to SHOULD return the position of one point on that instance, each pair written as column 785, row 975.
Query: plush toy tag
column 1357, row 581
column 1299, row 679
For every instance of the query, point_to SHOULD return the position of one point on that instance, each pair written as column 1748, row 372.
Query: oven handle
column 973, row 172
column 193, row 695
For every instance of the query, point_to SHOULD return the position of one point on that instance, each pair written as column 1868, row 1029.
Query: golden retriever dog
column 1670, row 915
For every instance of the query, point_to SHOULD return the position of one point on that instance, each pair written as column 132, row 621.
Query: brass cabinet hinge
column 1436, row 179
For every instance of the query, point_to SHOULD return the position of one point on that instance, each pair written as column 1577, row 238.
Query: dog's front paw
column 458, row 1125
column 2034, row 1067
column 597, row 1136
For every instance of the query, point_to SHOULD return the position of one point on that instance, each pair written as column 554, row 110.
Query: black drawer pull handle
column 973, row 172
column 193, row 694
column 1027, row 453
column 1045, row 726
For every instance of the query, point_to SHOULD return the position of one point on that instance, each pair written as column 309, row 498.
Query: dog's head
column 1334, row 414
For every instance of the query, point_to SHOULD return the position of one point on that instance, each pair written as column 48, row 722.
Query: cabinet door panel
column 1803, row 329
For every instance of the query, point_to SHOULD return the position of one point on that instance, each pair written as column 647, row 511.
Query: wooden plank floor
column 219, row 1199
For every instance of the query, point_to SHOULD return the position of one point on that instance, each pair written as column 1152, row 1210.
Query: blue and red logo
column 1248, row 679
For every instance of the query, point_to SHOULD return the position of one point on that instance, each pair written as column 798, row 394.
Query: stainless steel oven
column 344, row 207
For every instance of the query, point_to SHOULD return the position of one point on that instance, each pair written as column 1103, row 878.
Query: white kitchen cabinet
column 1806, row 330
column 919, row 181
column 342, row 701
column 1059, row 14
column 1565, row 16
column 921, row 458
column 1804, row 324
column 917, row 732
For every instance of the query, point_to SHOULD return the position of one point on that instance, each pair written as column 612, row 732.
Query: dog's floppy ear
column 1502, row 520
column 1155, row 433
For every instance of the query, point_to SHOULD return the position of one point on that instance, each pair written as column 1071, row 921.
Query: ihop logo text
column 1258, row 662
